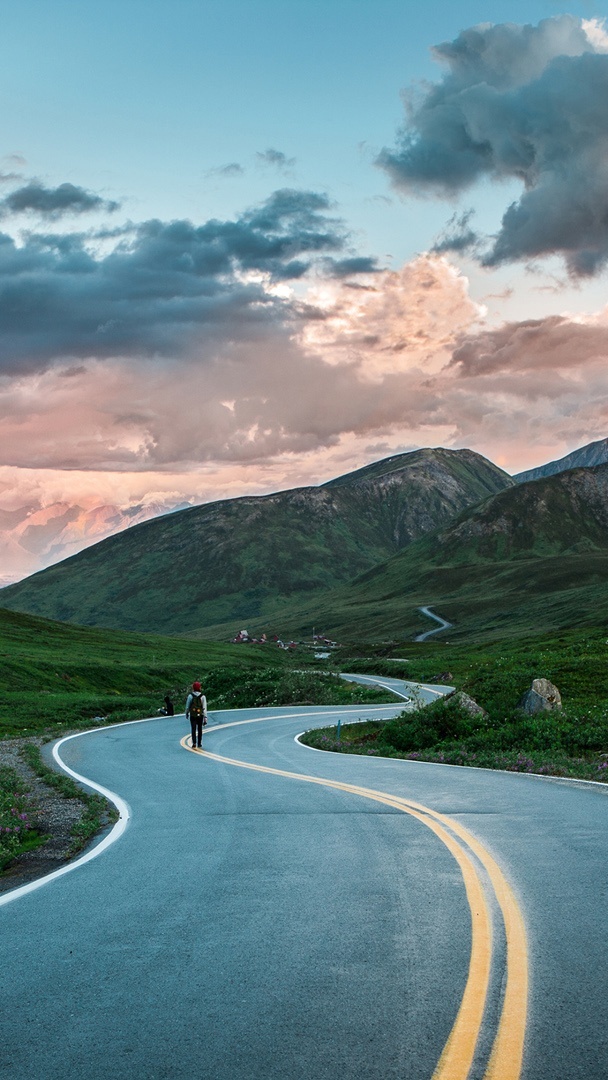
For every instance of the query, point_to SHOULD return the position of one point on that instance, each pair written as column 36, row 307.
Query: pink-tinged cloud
column 393, row 321
column 555, row 344
column 400, row 359
column 361, row 363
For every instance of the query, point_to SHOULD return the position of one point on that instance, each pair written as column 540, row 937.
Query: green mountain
column 232, row 561
column 534, row 556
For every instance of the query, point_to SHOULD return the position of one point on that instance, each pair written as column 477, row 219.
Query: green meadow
column 56, row 677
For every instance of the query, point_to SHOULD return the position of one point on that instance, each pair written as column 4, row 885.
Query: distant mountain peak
column 595, row 453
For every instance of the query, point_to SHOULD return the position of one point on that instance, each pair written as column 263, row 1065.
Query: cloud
column 523, row 103
column 231, row 169
column 536, row 383
column 276, row 159
column 193, row 352
column 404, row 319
column 356, row 264
column 549, row 345
column 53, row 203
column 345, row 363
column 457, row 235
column 165, row 289
column 356, row 373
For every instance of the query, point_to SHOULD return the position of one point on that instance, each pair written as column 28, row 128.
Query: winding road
column 443, row 624
column 273, row 912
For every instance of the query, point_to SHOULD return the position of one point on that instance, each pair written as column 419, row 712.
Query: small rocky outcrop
column 468, row 704
column 541, row 697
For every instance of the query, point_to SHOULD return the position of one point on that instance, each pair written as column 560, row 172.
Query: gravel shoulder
column 55, row 816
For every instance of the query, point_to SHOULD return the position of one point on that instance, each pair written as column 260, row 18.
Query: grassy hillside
column 233, row 561
column 531, row 557
column 54, row 676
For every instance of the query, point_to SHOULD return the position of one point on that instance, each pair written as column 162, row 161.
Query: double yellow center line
column 505, row 1060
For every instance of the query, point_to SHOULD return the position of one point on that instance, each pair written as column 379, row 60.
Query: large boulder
column 467, row 704
column 541, row 697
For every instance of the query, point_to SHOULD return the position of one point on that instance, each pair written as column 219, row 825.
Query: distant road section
column 431, row 615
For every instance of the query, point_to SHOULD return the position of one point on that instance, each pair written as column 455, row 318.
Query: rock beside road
column 468, row 704
column 542, row 696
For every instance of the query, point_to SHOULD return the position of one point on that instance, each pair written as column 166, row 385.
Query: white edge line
column 447, row 765
column 124, row 811
column 124, row 814
column 365, row 679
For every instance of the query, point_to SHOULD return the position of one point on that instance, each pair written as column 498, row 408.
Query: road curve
column 254, row 924
column 444, row 624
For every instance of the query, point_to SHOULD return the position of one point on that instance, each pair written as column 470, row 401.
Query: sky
column 247, row 245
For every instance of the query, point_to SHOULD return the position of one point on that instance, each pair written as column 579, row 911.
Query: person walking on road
column 196, row 712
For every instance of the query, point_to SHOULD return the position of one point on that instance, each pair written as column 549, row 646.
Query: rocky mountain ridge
column 533, row 556
column 33, row 537
column 594, row 453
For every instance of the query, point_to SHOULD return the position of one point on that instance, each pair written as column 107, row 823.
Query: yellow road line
column 506, row 1058
column 507, row 1052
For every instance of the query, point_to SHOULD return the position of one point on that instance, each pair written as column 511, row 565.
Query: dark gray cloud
column 457, row 235
column 275, row 158
column 528, row 103
column 35, row 198
column 165, row 289
column 357, row 264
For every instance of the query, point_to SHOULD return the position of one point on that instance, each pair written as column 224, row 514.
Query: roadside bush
column 437, row 723
column 558, row 743
column 227, row 688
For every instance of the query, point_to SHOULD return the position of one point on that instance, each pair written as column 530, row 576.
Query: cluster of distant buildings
column 244, row 637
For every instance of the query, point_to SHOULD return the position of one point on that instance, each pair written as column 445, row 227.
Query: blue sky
column 143, row 99
column 210, row 209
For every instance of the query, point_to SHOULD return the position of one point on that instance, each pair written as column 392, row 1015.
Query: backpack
column 196, row 707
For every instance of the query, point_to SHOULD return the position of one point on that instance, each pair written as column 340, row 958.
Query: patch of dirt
column 54, row 816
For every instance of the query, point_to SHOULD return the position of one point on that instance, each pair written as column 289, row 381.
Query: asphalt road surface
column 271, row 912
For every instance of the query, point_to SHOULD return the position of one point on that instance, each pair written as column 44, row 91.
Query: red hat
column 196, row 685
